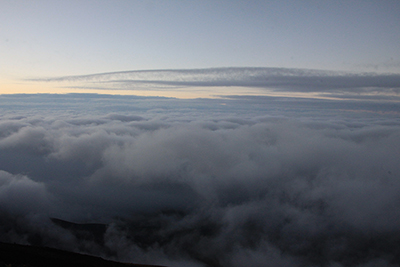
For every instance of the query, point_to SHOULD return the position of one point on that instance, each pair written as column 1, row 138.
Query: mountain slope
column 14, row 255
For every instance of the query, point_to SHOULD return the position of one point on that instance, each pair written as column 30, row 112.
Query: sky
column 42, row 39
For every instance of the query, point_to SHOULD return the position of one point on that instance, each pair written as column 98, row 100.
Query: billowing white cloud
column 255, row 181
column 21, row 195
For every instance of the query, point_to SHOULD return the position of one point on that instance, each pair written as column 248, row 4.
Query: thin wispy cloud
column 326, row 83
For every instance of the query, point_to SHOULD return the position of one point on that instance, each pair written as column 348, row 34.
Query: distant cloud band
column 274, row 79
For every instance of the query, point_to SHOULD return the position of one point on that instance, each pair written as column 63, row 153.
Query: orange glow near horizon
column 43, row 87
column 34, row 87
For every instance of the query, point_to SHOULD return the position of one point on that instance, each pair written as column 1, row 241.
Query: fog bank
column 239, row 181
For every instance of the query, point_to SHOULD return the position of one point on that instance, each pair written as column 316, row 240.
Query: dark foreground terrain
column 13, row 255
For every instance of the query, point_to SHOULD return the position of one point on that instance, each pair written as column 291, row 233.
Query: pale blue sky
column 57, row 38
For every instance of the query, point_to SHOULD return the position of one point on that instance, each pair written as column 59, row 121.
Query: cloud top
column 280, row 181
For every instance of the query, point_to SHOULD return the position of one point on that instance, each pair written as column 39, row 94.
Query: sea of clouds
column 239, row 181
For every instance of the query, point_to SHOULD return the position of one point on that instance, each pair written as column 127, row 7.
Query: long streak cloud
column 338, row 84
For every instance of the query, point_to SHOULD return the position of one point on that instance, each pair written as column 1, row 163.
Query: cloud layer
column 252, row 182
column 324, row 83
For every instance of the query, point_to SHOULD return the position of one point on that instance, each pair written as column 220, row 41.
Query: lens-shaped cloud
column 319, row 83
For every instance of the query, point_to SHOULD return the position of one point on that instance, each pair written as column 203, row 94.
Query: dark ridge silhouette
column 14, row 255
